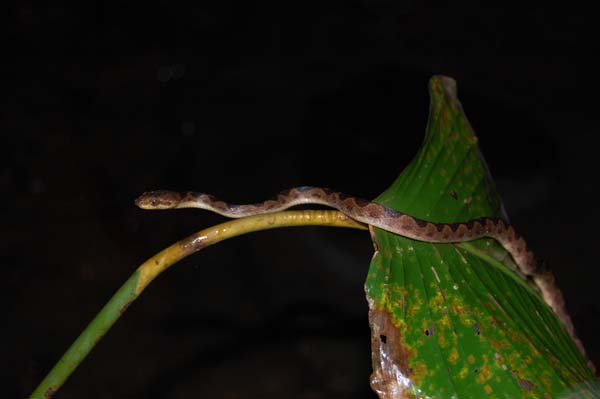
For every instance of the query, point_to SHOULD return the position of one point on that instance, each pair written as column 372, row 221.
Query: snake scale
column 385, row 218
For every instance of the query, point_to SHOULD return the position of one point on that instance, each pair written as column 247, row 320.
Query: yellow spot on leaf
column 471, row 359
column 419, row 370
column 441, row 339
column 424, row 324
column 444, row 322
column 453, row 355
column 484, row 374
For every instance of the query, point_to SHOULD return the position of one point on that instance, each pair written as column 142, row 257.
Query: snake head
column 160, row 199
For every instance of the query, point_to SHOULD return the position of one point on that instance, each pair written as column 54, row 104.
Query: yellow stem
column 150, row 269
column 164, row 259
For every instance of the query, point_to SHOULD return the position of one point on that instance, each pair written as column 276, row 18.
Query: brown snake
column 384, row 218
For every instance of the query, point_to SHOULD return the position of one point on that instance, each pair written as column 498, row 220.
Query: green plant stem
column 150, row 269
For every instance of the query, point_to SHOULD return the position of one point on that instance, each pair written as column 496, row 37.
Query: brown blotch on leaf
column 526, row 384
column 390, row 358
column 49, row 393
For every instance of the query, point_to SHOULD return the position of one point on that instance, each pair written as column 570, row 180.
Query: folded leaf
column 456, row 320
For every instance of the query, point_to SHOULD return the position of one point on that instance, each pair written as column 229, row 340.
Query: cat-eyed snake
column 387, row 219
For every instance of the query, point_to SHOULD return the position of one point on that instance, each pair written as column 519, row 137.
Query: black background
column 243, row 100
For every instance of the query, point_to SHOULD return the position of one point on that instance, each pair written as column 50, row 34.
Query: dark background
column 101, row 103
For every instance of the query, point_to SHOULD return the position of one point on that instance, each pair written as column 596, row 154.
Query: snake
column 388, row 219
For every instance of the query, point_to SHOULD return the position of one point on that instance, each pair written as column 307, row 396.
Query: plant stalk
column 151, row 268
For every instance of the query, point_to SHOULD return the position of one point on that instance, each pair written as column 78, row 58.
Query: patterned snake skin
column 384, row 218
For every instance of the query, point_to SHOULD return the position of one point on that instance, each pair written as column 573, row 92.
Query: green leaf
column 456, row 320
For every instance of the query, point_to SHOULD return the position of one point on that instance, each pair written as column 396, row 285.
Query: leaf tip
column 443, row 85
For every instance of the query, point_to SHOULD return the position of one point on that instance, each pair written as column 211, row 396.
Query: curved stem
column 151, row 268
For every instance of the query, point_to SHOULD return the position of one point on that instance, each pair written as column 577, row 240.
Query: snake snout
column 158, row 200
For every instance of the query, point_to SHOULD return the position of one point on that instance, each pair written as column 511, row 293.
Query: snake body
column 384, row 218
